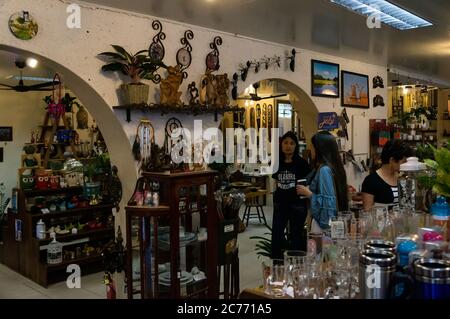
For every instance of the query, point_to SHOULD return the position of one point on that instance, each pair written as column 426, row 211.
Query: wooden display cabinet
column 26, row 254
column 164, row 245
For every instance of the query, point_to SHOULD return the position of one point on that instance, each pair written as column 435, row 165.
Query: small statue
column 82, row 118
column 222, row 86
column 169, row 86
column 32, row 138
column 208, row 91
column 193, row 92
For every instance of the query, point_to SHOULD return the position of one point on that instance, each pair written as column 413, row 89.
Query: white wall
column 24, row 112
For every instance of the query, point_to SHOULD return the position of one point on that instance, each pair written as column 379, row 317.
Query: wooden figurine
column 170, row 85
column 222, row 86
column 193, row 92
column 208, row 91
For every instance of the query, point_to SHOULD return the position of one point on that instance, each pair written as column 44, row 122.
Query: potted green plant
column 439, row 177
column 137, row 66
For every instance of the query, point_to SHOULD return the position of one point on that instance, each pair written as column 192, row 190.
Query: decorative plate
column 23, row 25
column 156, row 51
column 183, row 57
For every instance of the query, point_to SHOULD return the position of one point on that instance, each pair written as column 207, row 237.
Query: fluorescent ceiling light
column 389, row 13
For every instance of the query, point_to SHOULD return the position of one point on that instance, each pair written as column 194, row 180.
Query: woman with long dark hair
column 328, row 187
column 287, row 204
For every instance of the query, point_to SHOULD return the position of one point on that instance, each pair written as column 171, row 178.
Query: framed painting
column 355, row 90
column 6, row 134
column 324, row 79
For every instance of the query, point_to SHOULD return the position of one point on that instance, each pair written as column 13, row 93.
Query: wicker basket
column 135, row 93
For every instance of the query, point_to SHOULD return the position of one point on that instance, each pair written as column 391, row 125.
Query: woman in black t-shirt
column 381, row 187
column 287, row 204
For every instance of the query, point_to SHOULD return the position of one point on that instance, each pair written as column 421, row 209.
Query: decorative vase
column 82, row 118
column 135, row 93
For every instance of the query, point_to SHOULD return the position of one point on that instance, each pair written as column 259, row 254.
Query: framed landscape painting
column 324, row 79
column 355, row 90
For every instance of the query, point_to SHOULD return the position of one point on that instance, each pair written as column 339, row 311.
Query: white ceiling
column 8, row 69
column 318, row 25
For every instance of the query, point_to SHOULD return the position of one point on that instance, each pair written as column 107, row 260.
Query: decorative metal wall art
column 256, row 65
column 156, row 49
column 172, row 124
column 378, row 101
column 23, row 25
column 184, row 57
column 193, row 93
column 212, row 59
column 378, row 82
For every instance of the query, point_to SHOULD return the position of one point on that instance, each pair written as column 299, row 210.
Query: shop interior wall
column 24, row 112
column 77, row 50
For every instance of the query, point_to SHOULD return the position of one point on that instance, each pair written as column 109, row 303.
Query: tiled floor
column 14, row 286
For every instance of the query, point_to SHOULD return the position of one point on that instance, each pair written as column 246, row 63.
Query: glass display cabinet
column 171, row 223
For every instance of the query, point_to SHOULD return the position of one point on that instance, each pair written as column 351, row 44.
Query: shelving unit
column 28, row 254
column 160, row 258
column 194, row 109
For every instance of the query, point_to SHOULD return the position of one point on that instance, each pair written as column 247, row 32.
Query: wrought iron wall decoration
column 193, row 93
column 172, row 124
column 156, row 49
column 184, row 57
column 256, row 65
column 212, row 59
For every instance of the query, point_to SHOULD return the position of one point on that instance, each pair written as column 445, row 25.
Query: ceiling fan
column 255, row 97
column 21, row 87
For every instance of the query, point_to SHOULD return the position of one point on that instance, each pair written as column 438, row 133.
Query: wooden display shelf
column 428, row 131
column 43, row 192
column 194, row 109
column 78, row 261
column 74, row 211
column 98, row 233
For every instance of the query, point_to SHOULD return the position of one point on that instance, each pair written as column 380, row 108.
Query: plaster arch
column 115, row 137
column 301, row 103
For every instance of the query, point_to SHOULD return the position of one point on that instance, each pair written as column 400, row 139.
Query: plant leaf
column 123, row 52
column 114, row 55
column 113, row 66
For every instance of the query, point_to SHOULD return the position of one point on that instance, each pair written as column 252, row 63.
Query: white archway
column 117, row 141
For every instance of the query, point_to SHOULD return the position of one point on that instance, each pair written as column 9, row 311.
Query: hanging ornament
column 56, row 108
column 145, row 138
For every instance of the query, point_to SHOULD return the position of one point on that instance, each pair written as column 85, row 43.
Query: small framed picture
column 324, row 79
column 355, row 90
column 6, row 134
